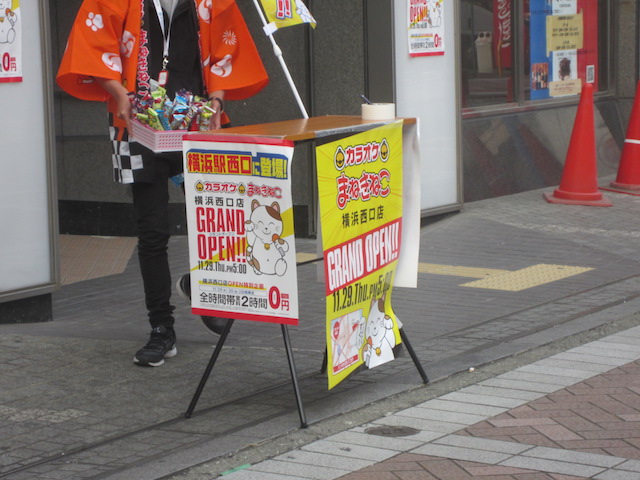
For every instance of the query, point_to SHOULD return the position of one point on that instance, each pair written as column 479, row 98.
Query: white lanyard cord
column 166, row 36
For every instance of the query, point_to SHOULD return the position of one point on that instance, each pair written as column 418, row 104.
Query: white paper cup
column 378, row 111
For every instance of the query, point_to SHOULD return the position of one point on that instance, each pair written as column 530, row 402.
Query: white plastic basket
column 157, row 140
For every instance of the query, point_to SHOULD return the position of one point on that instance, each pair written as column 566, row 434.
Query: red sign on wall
column 502, row 34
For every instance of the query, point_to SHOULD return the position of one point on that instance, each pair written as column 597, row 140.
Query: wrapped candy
column 154, row 120
column 177, row 121
column 205, row 118
column 184, row 112
column 164, row 121
column 189, row 116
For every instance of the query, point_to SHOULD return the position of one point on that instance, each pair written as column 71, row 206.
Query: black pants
column 151, row 206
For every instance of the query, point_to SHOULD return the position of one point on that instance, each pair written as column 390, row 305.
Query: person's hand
column 124, row 110
column 120, row 96
column 217, row 103
column 216, row 119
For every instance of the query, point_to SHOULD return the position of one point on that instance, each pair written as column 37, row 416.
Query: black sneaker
column 161, row 345
column 213, row 324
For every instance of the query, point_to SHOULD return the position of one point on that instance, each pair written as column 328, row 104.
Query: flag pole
column 278, row 53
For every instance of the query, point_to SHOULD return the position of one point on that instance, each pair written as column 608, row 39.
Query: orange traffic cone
column 628, row 178
column 579, row 183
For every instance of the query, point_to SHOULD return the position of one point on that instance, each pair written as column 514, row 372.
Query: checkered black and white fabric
column 128, row 161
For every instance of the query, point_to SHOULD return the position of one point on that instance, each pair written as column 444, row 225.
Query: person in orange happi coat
column 120, row 47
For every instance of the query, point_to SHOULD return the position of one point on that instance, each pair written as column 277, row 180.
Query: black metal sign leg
column 294, row 377
column 325, row 359
column 414, row 357
column 207, row 372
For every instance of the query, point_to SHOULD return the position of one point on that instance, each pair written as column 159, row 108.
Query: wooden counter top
column 300, row 129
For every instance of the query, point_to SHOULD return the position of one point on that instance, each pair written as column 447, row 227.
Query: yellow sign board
column 565, row 32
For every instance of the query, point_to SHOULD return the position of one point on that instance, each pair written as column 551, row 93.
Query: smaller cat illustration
column 266, row 250
column 379, row 336
column 8, row 20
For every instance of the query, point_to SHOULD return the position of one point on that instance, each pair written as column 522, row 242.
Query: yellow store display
column 360, row 191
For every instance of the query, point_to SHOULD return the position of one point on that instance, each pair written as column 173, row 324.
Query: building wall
column 331, row 66
column 626, row 55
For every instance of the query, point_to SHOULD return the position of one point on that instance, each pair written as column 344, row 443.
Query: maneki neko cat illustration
column 434, row 13
column 380, row 338
column 8, row 19
column 266, row 249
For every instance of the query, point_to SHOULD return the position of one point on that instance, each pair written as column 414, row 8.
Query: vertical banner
column 10, row 41
column 360, row 189
column 285, row 13
column 502, row 34
column 564, row 47
column 242, row 253
column 425, row 27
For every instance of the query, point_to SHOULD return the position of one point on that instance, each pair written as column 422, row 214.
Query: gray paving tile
column 509, row 384
column 256, row 475
column 306, row 457
column 466, row 396
column 480, row 389
column 632, row 465
column 425, row 436
column 297, row 470
column 616, row 475
column 478, row 443
column 461, row 407
column 399, row 444
column 420, row 424
column 629, row 344
column 559, row 362
column 441, row 416
column 589, row 357
column 632, row 332
column 606, row 351
column 555, row 380
column 552, row 466
column 461, row 453
column 339, row 449
column 574, row 457
column 571, row 374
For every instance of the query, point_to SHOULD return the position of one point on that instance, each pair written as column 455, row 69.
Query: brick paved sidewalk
column 571, row 416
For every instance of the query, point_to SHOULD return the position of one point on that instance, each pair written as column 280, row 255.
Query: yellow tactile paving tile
column 84, row 257
column 459, row 271
column 305, row 257
column 527, row 277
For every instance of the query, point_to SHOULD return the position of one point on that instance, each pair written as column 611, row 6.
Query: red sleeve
column 93, row 49
column 234, row 62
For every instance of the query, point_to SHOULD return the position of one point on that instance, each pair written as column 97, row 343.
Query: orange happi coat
column 110, row 39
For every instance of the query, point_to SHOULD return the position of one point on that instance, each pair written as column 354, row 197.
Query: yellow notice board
column 565, row 32
column 360, row 189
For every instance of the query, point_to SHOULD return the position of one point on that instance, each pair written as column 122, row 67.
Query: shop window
column 517, row 51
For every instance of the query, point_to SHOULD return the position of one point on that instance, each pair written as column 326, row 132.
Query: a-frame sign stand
column 214, row 357
column 216, row 353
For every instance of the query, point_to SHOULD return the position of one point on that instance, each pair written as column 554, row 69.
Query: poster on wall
column 425, row 27
column 563, row 47
column 10, row 41
column 242, row 253
column 360, row 190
